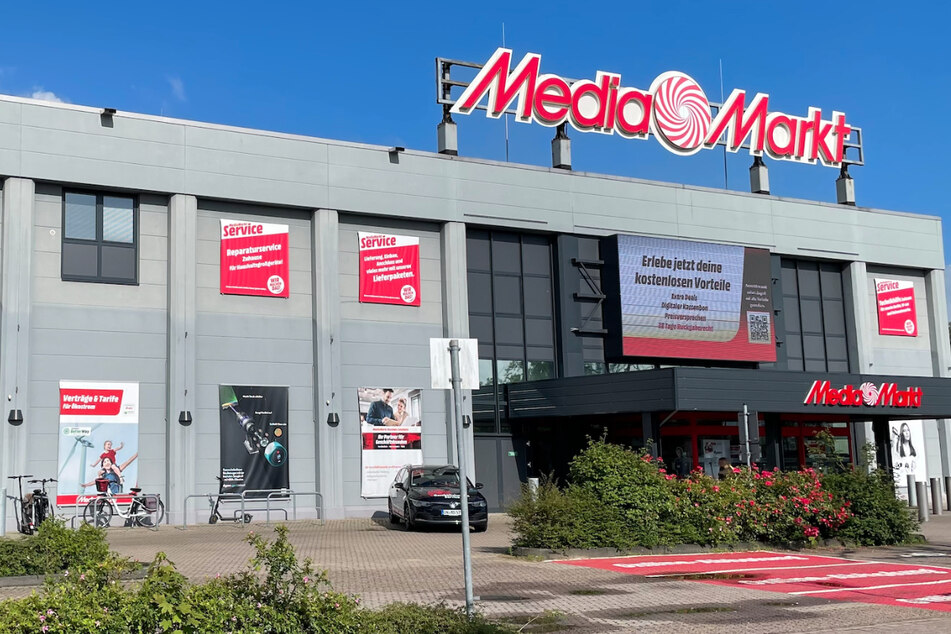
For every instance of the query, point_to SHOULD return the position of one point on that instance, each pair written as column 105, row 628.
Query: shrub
column 52, row 549
column 879, row 517
column 277, row 594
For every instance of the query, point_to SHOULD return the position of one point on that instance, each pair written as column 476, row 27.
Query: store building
column 117, row 271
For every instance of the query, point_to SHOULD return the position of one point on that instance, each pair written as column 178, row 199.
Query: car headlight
column 478, row 504
column 419, row 503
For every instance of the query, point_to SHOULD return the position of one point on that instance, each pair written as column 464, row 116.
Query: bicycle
column 216, row 515
column 33, row 509
column 146, row 510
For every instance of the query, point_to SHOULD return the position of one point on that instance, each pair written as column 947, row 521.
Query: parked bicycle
column 214, row 501
column 146, row 510
column 32, row 509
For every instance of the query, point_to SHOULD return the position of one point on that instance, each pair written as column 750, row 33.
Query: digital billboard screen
column 687, row 300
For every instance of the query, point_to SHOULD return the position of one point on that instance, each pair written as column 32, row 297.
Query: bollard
column 533, row 487
column 947, row 491
column 921, row 492
column 910, row 480
column 935, row 497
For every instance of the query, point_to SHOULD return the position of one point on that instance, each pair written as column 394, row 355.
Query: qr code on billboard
column 757, row 325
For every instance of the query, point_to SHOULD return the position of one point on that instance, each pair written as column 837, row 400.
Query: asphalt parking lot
column 383, row 564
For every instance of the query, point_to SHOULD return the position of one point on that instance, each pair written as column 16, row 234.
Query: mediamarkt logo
column 675, row 109
column 884, row 395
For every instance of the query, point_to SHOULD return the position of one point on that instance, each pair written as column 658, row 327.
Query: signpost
column 460, row 376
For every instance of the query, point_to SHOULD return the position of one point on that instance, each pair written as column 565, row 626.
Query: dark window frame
column 99, row 242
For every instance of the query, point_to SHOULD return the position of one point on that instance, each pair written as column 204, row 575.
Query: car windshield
column 435, row 478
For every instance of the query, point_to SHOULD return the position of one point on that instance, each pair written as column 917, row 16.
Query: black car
column 429, row 494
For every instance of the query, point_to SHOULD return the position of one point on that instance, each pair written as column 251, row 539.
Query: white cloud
column 45, row 95
column 178, row 87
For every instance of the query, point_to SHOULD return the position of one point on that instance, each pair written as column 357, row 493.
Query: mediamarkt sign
column 870, row 395
column 674, row 109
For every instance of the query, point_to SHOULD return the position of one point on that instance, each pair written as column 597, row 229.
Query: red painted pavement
column 798, row 574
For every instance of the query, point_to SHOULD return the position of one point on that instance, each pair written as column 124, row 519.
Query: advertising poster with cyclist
column 391, row 435
column 254, row 439
column 98, row 439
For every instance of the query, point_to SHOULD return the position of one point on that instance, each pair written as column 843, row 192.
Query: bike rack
column 270, row 494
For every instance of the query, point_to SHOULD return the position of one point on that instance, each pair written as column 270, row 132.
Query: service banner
column 391, row 435
column 389, row 269
column 98, row 439
column 694, row 300
column 254, row 259
column 254, row 438
column 896, row 308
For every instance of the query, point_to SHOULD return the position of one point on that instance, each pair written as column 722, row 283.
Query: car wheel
column 408, row 517
column 394, row 518
column 480, row 528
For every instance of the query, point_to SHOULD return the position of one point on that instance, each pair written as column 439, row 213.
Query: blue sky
column 366, row 73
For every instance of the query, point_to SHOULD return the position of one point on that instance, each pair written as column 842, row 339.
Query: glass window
column 486, row 379
column 508, row 295
column 594, row 367
column 510, row 371
column 538, row 370
column 506, row 255
column 99, row 238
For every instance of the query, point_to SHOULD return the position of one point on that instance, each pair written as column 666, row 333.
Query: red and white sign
column 869, row 394
column 389, row 269
column 674, row 109
column 797, row 574
column 896, row 308
column 254, row 259
column 98, row 439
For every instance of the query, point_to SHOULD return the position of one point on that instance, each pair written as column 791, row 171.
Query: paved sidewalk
column 383, row 564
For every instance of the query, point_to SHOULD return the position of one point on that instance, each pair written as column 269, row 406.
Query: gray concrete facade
column 179, row 338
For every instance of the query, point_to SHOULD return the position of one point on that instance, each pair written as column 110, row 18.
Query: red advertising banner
column 389, row 269
column 896, row 308
column 254, row 259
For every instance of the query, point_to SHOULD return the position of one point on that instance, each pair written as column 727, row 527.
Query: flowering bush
column 646, row 506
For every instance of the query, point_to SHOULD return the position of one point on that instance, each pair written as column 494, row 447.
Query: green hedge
column 52, row 549
column 620, row 498
column 276, row 594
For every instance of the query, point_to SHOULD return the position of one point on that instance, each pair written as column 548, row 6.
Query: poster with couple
column 390, row 435
column 98, row 440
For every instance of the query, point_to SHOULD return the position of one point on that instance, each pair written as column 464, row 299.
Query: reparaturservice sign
column 694, row 300
column 254, row 259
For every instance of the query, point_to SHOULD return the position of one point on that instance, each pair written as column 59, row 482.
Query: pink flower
column 716, row 488
column 306, row 579
column 82, row 577
column 42, row 618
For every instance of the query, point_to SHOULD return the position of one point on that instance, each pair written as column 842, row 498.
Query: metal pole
column 3, row 512
column 910, row 481
column 745, row 433
column 463, row 479
column 935, row 497
column 947, row 490
column 922, row 491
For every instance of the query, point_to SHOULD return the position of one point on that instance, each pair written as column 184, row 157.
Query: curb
column 27, row 581
column 596, row 553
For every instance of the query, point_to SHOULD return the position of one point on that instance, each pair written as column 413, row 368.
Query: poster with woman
column 390, row 435
column 98, row 439
column 908, row 453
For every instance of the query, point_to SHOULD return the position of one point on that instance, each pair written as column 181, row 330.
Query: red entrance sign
column 797, row 574
column 896, row 308
column 91, row 402
column 254, row 259
column 869, row 394
column 389, row 269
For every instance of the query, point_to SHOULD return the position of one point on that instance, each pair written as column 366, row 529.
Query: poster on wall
column 254, row 439
column 98, row 439
column 254, row 259
column 389, row 269
column 908, row 453
column 897, row 315
column 689, row 300
column 390, row 433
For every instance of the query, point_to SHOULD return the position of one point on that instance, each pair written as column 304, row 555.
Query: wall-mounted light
column 185, row 418
column 466, row 421
column 333, row 419
column 15, row 417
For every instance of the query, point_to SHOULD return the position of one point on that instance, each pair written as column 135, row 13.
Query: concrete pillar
column 845, row 188
column 759, row 176
column 456, row 324
column 561, row 149
column 327, row 380
column 180, row 476
column 940, row 358
column 447, row 137
column 18, row 199
column 859, row 326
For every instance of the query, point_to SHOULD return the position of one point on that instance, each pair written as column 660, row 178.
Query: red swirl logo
column 681, row 113
column 869, row 394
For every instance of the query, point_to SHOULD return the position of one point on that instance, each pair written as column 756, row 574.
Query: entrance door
column 500, row 464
